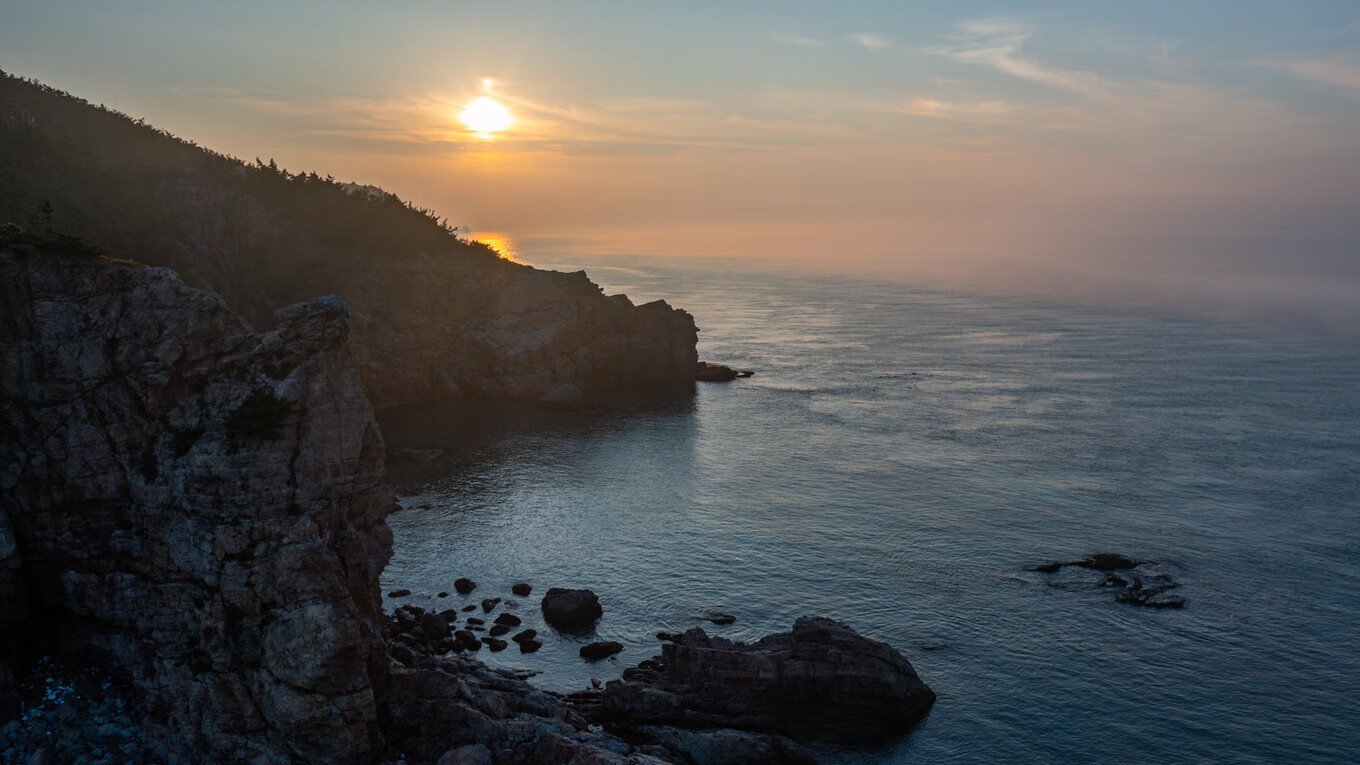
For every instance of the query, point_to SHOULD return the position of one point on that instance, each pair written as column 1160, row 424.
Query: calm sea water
column 898, row 461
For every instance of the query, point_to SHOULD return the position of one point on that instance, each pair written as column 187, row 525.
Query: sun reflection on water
column 499, row 241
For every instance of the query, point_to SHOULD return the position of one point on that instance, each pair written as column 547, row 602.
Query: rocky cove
column 196, row 511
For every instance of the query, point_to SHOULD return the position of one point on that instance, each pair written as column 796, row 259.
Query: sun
column 486, row 116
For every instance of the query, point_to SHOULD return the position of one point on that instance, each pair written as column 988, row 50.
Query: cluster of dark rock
column 72, row 714
column 414, row 629
column 703, row 701
column 1154, row 593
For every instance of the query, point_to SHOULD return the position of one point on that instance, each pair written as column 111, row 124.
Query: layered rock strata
column 194, row 506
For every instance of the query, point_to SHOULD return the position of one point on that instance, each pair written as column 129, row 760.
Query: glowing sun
column 486, row 116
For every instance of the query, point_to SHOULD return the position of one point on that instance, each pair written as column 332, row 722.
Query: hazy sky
column 1170, row 146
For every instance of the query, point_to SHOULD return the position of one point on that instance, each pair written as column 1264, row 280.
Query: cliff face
column 196, row 506
column 434, row 317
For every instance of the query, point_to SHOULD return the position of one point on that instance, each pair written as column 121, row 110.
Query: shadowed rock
column 199, row 508
column 571, row 609
column 600, row 649
column 822, row 680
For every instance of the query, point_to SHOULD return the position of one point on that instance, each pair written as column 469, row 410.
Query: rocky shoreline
column 195, row 513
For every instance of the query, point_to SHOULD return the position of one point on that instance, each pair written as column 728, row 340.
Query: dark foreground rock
column 196, row 508
column 821, row 680
column 571, row 609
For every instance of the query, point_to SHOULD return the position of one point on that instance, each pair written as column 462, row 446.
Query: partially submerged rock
column 1137, row 592
column 706, row 371
column 821, row 680
column 571, row 609
column 600, row 649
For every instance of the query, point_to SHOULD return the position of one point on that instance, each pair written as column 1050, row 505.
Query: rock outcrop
column 434, row 317
column 196, row 507
column 199, row 510
column 821, row 680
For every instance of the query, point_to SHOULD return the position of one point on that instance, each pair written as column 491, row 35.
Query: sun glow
column 486, row 116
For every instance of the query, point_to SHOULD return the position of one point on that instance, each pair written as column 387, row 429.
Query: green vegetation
column 43, row 236
column 257, row 235
column 260, row 416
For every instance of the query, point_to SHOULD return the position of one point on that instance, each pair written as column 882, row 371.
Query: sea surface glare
column 899, row 460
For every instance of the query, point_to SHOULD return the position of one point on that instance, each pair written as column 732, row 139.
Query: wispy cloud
column 868, row 40
column 981, row 111
column 997, row 43
column 1335, row 73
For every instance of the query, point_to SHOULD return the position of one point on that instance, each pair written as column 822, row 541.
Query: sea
column 899, row 461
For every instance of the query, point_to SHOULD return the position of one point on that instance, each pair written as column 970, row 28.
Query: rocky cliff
column 194, row 506
column 434, row 316
column 199, row 510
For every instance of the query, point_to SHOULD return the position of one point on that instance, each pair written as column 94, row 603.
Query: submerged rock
column 1153, row 597
column 522, row 589
column 463, row 585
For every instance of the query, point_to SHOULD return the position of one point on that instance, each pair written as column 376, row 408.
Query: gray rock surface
column 198, row 507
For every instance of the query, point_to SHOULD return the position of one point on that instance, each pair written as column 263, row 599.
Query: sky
column 1206, row 151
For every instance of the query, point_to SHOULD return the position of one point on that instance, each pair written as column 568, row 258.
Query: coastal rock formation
column 199, row 510
column 434, row 317
column 821, row 680
column 195, row 507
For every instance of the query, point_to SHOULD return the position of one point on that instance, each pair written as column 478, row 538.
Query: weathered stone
column 820, row 680
column 508, row 619
column 522, row 589
column 464, row 585
column 489, row 603
column 725, row 746
column 570, row 609
column 468, row 754
column 200, row 508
